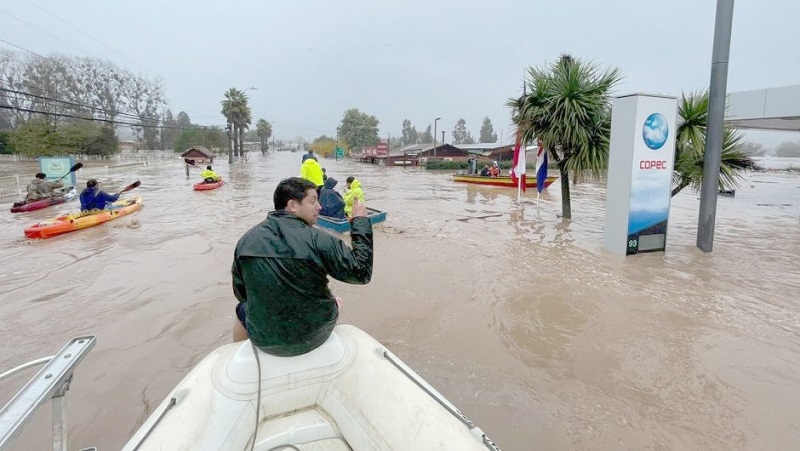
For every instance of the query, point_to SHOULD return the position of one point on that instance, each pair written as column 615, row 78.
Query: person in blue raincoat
column 331, row 201
column 92, row 198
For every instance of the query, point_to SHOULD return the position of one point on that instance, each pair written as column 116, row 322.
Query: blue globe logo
column 655, row 131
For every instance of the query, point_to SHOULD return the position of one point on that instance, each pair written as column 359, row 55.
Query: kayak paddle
column 72, row 169
column 130, row 187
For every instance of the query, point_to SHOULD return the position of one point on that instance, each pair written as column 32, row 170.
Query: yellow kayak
column 78, row 221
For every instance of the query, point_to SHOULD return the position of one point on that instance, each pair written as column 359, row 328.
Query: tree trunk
column 566, row 204
column 236, row 140
column 241, row 141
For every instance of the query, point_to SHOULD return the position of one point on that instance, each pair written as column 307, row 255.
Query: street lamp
column 434, row 136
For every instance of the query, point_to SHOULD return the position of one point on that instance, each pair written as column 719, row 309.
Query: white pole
column 537, row 200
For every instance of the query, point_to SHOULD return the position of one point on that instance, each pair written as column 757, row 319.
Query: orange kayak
column 77, row 221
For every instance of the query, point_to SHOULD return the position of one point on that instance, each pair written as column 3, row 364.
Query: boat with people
column 24, row 206
column 77, row 221
column 351, row 393
column 505, row 181
column 205, row 186
column 343, row 225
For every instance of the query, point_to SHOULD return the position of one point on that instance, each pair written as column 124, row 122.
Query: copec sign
column 56, row 168
column 641, row 159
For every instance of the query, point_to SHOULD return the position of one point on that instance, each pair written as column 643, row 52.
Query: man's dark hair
column 350, row 179
column 208, row 167
column 291, row 188
column 41, row 175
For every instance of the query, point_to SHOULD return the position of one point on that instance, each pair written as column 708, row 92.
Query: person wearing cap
column 209, row 176
column 39, row 188
column 92, row 198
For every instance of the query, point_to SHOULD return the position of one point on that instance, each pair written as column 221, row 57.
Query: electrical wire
column 132, row 124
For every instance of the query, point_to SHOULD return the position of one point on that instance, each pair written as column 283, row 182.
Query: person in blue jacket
column 94, row 199
column 331, row 201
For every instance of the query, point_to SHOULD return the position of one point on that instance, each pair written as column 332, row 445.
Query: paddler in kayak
column 39, row 188
column 209, row 176
column 92, row 198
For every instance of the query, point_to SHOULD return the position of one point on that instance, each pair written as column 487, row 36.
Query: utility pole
column 434, row 135
column 709, row 188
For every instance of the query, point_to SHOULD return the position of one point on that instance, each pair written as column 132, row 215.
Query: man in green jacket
column 281, row 267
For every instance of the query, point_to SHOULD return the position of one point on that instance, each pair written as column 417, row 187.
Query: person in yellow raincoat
column 209, row 176
column 311, row 170
column 352, row 193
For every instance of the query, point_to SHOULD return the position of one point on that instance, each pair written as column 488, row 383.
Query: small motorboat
column 343, row 225
column 20, row 207
column 351, row 393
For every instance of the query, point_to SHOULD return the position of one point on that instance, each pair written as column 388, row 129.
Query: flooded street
column 540, row 336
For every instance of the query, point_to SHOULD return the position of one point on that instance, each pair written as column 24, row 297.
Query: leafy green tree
column 788, row 149
column 183, row 120
column 264, row 131
column 324, row 146
column 38, row 137
column 169, row 131
column 212, row 138
column 426, row 137
column 396, row 142
column 753, row 149
column 5, row 143
column 358, row 129
column 409, row 134
column 690, row 144
column 487, row 132
column 568, row 108
column 461, row 135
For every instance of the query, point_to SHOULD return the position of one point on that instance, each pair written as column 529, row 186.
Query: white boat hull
column 350, row 393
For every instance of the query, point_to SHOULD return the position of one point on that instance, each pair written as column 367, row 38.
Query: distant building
column 198, row 154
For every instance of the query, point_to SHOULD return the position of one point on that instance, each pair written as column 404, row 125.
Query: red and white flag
column 518, row 165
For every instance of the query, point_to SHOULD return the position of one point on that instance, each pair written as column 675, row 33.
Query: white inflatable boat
column 348, row 394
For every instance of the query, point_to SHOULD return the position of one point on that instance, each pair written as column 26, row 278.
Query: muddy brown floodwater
column 540, row 336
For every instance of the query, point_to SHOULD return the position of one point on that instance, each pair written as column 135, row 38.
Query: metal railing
column 51, row 382
column 9, row 186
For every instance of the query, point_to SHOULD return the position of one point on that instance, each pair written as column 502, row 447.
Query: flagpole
column 519, row 181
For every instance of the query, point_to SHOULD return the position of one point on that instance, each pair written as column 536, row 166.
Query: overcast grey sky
column 313, row 59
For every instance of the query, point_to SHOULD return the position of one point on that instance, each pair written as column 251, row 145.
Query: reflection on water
column 519, row 317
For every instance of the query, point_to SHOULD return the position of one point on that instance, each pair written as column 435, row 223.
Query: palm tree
column 569, row 111
column 229, row 109
column 243, row 119
column 239, row 116
column 690, row 144
column 264, row 131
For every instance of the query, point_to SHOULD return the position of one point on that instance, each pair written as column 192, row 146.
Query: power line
column 44, row 33
column 65, row 102
column 59, row 62
column 109, row 121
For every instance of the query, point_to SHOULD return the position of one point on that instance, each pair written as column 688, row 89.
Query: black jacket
column 280, row 269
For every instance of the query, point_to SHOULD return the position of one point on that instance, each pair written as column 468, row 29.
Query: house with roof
column 199, row 154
